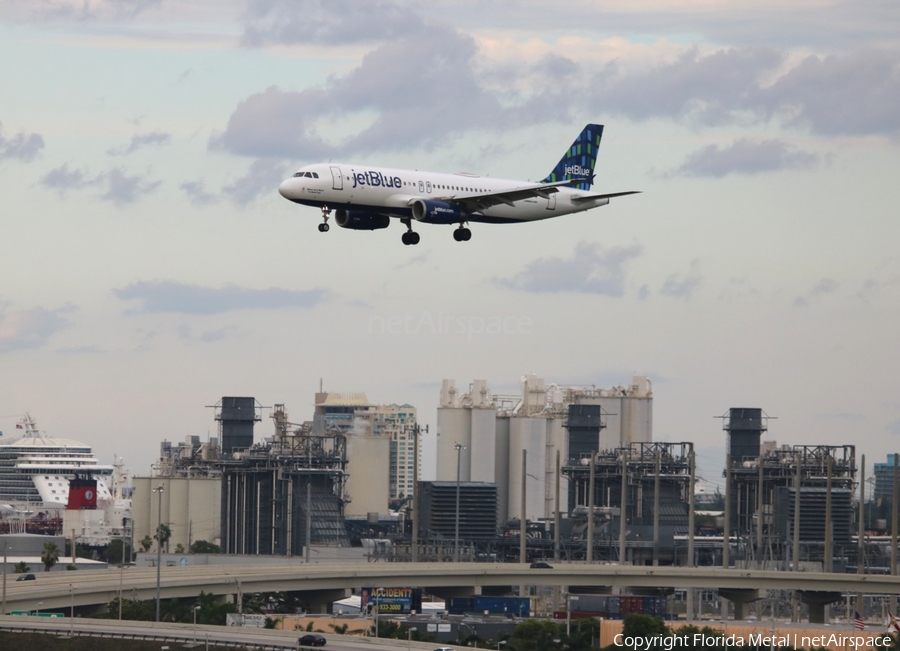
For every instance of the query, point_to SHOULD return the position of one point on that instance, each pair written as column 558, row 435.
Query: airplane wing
column 476, row 202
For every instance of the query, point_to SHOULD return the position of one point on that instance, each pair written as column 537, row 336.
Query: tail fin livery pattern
column 579, row 160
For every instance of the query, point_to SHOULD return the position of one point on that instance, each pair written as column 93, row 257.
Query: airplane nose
column 283, row 189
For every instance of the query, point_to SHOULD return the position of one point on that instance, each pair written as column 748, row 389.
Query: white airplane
column 365, row 198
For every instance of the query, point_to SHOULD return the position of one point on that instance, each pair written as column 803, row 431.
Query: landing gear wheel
column 323, row 227
column 410, row 237
column 462, row 234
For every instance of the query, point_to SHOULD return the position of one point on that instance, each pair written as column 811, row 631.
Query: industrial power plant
column 551, row 474
column 554, row 473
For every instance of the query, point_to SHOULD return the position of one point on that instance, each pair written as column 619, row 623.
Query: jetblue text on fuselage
column 376, row 180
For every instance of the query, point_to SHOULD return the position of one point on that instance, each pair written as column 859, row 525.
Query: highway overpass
column 324, row 583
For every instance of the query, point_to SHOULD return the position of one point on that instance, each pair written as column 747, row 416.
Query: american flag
column 858, row 622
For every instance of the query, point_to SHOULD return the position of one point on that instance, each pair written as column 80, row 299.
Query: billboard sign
column 392, row 600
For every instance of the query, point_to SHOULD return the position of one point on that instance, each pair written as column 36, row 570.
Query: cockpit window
column 298, row 174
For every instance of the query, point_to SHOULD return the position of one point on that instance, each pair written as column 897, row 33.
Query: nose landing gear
column 323, row 227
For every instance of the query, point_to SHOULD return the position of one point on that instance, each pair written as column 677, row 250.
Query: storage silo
column 368, row 481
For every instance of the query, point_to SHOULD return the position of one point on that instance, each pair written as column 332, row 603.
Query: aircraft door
column 337, row 179
column 551, row 201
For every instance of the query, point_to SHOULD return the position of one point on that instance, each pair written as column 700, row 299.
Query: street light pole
column 72, row 608
column 121, row 580
column 196, row 608
column 409, row 636
column 122, row 566
column 5, row 550
column 459, row 448
column 158, row 490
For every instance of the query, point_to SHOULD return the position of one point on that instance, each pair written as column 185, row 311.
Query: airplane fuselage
column 393, row 192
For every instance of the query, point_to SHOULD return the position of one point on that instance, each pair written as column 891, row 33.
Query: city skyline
column 151, row 266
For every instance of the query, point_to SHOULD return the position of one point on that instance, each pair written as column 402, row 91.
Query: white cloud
column 683, row 285
column 31, row 328
column 23, row 147
column 835, row 95
column 746, row 156
column 592, row 269
column 181, row 298
column 262, row 177
column 141, row 140
column 62, row 179
column 76, row 10
column 197, row 194
column 418, row 91
column 823, row 287
column 124, row 188
column 326, row 22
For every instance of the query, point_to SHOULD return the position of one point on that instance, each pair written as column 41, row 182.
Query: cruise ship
column 35, row 471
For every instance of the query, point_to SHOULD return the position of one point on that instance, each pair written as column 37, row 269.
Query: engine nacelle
column 361, row 221
column 436, row 212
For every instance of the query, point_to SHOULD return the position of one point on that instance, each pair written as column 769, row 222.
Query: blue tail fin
column 578, row 161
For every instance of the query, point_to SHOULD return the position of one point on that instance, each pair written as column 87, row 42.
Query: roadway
column 188, row 635
column 328, row 582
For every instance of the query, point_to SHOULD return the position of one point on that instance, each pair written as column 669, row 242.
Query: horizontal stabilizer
column 591, row 197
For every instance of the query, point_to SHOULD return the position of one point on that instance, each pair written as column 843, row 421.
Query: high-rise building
column 396, row 423
column 884, row 479
column 355, row 416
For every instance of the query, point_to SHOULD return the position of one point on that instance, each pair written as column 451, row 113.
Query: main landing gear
column 323, row 227
column 462, row 234
column 410, row 236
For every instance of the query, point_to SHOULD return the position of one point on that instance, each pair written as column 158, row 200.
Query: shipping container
column 618, row 606
column 518, row 606
column 460, row 605
column 655, row 605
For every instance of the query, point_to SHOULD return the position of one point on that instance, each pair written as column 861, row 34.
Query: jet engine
column 361, row 221
column 436, row 212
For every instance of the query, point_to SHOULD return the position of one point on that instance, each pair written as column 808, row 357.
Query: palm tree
column 163, row 534
column 50, row 556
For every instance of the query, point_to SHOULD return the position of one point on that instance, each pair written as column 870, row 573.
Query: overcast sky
column 150, row 266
